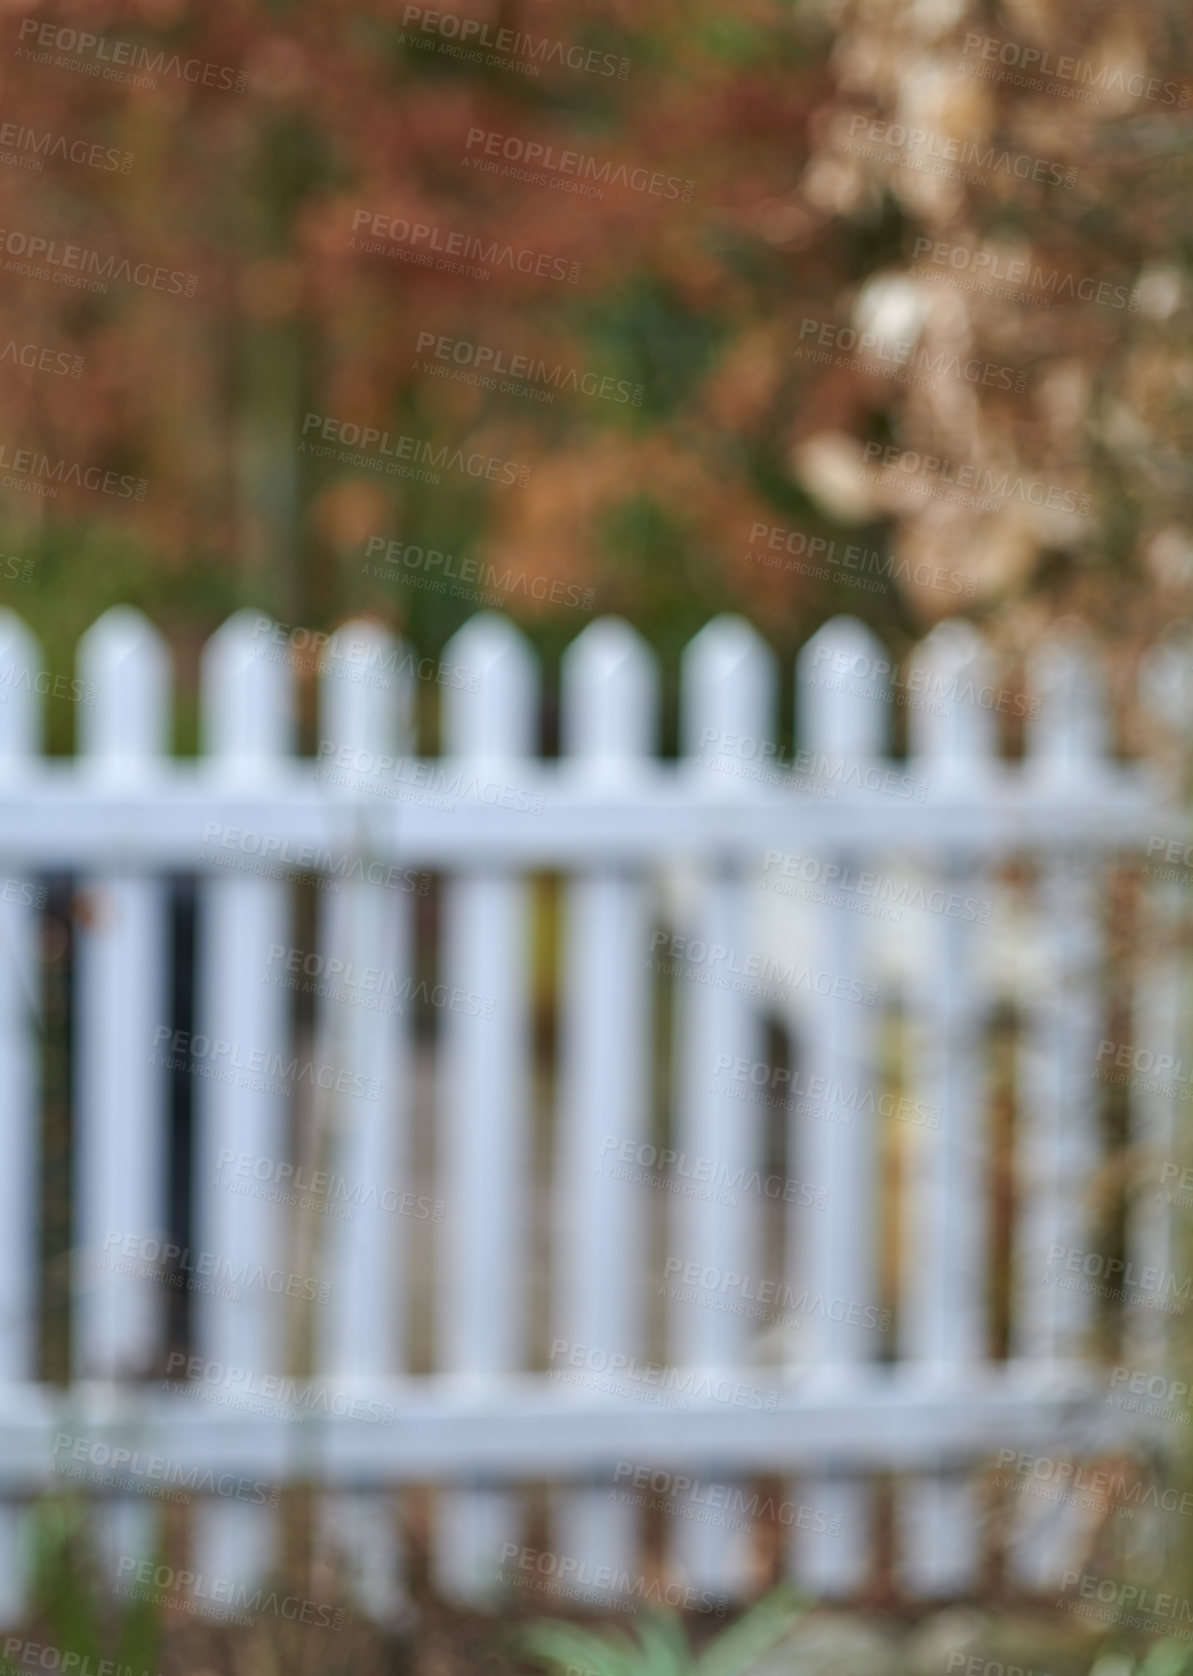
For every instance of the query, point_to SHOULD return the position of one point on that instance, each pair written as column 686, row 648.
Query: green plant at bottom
column 67, row 1592
column 661, row 1645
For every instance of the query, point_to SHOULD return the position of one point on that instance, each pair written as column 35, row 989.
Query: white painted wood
column 608, row 814
column 727, row 692
column 1154, row 1101
column 485, row 1063
column 609, row 722
column 943, row 1319
column 842, row 718
column 363, row 1027
column 122, row 997
column 247, row 710
column 20, row 1023
column 1058, row 1146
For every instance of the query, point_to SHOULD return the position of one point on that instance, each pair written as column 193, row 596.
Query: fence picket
column 943, row 1317
column 20, row 1127
column 842, row 715
column 609, row 704
column 366, row 923
column 488, row 730
column 1057, row 1145
column 247, row 710
column 1159, row 1009
column 727, row 694
column 120, row 1084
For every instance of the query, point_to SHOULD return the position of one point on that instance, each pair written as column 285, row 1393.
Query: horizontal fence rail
column 487, row 1122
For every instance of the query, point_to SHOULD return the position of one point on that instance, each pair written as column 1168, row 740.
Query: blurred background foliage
column 355, row 107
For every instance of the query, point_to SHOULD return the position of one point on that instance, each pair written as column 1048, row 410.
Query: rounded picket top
column 728, row 689
column 247, row 689
column 609, row 695
column 20, row 698
column 489, row 680
column 843, row 691
column 1067, row 727
column 952, row 712
column 125, row 672
column 366, row 692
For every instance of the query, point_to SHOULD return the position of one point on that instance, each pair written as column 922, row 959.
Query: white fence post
column 727, row 694
column 20, row 1128
column 1058, row 1145
column 843, row 721
column 485, row 1060
column 943, row 1323
column 1158, row 1024
column 122, row 1002
column 242, row 1033
column 366, row 924
column 609, row 726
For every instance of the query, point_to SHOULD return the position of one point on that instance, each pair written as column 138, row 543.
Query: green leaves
column 661, row 1646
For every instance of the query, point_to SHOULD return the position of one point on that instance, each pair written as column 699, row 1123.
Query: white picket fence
column 542, row 1235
